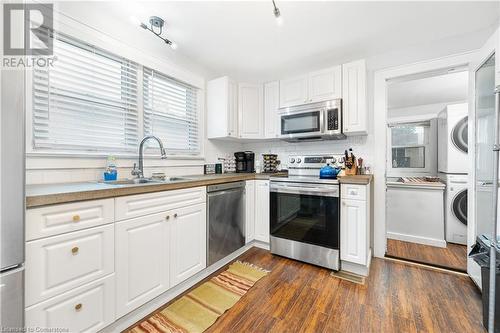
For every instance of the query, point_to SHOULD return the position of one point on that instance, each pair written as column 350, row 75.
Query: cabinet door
column 293, row 91
column 271, row 106
column 262, row 210
column 61, row 263
column 232, row 109
column 325, row 85
column 222, row 108
column 88, row 308
column 188, row 242
column 142, row 260
column 250, row 111
column 354, row 98
column 353, row 231
column 250, row 211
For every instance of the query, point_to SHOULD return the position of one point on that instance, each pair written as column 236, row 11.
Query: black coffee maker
column 245, row 161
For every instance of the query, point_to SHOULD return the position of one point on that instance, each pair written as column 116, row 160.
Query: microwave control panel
column 332, row 120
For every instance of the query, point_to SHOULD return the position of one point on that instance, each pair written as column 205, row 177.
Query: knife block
column 352, row 171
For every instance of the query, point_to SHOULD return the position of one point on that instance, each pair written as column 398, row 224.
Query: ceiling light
column 156, row 27
column 277, row 14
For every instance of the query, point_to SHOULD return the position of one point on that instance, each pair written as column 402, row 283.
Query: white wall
column 418, row 112
column 86, row 22
column 48, row 169
column 364, row 145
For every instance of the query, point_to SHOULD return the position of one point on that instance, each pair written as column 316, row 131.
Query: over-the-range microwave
column 317, row 121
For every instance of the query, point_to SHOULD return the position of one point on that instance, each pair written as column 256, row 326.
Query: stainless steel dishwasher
column 226, row 220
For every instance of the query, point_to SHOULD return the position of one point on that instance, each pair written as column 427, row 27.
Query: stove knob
column 299, row 160
column 292, row 160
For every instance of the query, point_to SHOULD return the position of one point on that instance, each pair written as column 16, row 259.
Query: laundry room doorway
column 427, row 168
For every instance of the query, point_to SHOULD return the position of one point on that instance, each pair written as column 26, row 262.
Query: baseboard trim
column 424, row 265
column 417, row 239
column 130, row 318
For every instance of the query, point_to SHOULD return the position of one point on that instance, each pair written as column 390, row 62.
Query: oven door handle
column 330, row 191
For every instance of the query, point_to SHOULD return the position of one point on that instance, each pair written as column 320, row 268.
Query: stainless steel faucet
column 139, row 172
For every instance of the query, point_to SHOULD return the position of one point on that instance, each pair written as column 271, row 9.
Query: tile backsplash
column 361, row 146
column 48, row 176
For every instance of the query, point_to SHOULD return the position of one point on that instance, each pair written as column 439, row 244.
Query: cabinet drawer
column 85, row 309
column 356, row 192
column 60, row 263
column 145, row 204
column 59, row 219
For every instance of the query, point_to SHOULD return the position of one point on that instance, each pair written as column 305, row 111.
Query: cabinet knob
column 78, row 307
column 167, row 217
column 76, row 218
column 75, row 250
column 175, row 215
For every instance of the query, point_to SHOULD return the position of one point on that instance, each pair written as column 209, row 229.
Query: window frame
column 429, row 149
column 49, row 155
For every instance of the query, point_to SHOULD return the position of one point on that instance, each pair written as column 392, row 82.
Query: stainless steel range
column 305, row 212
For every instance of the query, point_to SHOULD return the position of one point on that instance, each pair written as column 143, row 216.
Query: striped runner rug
column 200, row 308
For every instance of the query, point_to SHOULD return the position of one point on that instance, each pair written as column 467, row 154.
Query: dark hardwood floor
column 297, row 297
column 454, row 256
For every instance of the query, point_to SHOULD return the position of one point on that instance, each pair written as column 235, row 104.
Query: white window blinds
column 86, row 102
column 170, row 112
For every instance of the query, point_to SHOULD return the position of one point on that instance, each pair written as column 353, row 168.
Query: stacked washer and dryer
column 453, row 169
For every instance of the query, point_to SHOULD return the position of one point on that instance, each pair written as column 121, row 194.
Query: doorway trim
column 380, row 133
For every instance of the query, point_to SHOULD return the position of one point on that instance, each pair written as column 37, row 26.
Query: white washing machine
column 455, row 208
column 453, row 139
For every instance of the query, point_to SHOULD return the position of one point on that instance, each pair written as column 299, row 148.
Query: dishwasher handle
column 225, row 186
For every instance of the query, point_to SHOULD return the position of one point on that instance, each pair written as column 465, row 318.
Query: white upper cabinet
column 313, row 87
column 293, row 91
column 222, row 108
column 354, row 98
column 271, row 106
column 325, row 84
column 251, row 111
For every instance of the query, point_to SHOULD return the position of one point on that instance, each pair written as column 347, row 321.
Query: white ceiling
column 430, row 90
column 242, row 39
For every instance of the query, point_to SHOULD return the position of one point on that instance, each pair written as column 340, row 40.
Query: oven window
column 305, row 218
column 300, row 123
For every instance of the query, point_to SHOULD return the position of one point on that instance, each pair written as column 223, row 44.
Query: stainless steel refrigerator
column 12, row 198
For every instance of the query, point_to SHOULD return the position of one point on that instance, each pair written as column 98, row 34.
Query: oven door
column 307, row 123
column 305, row 213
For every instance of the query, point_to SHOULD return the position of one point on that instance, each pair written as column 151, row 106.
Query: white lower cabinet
column 142, row 260
column 262, row 210
column 355, row 224
column 188, row 242
column 60, row 263
column 353, row 230
column 88, row 308
column 249, row 211
column 158, row 251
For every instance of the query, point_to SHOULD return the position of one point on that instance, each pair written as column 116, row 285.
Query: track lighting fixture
column 156, row 27
column 277, row 14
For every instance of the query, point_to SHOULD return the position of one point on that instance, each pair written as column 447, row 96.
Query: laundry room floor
column 454, row 256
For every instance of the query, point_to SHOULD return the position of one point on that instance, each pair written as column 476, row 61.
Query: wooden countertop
column 358, row 179
column 50, row 194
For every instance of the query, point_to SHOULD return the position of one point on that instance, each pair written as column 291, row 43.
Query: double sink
column 143, row 181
